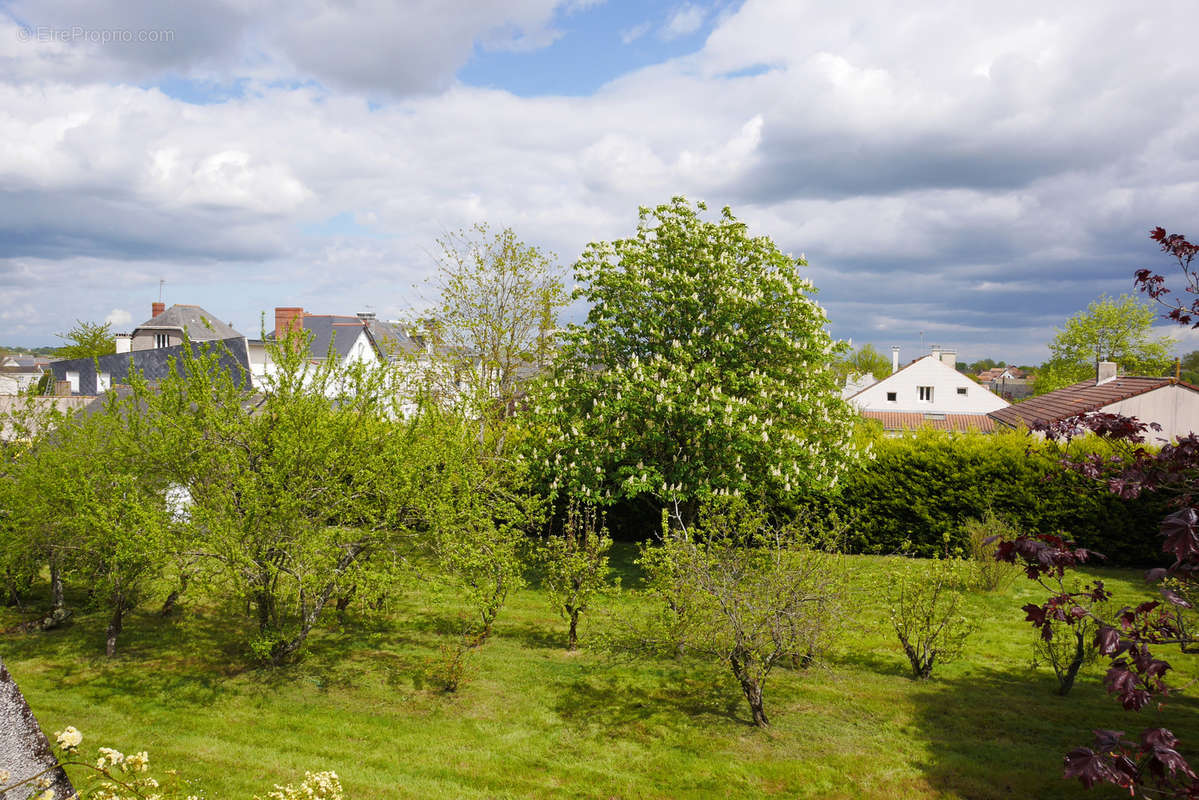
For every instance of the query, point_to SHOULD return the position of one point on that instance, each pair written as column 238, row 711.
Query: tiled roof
column 914, row 420
column 1080, row 398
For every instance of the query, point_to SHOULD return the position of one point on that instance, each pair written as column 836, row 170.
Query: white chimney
column 1106, row 372
column 124, row 342
column 949, row 357
column 894, row 359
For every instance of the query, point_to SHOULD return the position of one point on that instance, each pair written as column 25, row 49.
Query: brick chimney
column 288, row 318
column 157, row 308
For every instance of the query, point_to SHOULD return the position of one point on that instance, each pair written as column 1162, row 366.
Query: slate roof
column 199, row 324
column 1081, row 398
column 914, row 420
column 154, row 364
column 343, row 331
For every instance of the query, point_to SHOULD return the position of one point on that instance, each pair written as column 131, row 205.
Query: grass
column 537, row 721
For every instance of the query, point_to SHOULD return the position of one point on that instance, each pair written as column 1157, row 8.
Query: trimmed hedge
column 918, row 490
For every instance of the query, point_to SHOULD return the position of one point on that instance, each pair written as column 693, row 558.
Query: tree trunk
column 56, row 592
column 572, row 640
column 171, row 604
column 264, row 604
column 750, row 687
column 1065, row 680
column 343, row 602
column 114, row 628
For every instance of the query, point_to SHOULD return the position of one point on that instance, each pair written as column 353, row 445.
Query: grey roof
column 154, row 364
column 389, row 339
column 199, row 324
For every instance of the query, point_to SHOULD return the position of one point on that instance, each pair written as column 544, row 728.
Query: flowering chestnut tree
column 1134, row 636
column 704, row 369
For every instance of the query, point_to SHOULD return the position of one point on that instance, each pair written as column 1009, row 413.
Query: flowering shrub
column 117, row 776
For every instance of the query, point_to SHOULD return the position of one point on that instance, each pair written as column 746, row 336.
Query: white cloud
column 118, row 318
column 684, row 21
column 994, row 180
column 630, row 35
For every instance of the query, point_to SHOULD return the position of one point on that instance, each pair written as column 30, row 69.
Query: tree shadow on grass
column 534, row 636
column 1002, row 734
column 617, row 705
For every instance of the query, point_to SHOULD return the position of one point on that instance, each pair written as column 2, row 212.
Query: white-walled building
column 931, row 390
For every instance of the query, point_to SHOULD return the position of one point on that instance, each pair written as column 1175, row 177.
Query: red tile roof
column 913, row 420
column 1080, row 398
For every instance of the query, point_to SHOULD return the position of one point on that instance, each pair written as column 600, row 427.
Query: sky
column 967, row 174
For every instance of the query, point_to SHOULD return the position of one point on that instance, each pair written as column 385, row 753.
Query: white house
column 928, row 390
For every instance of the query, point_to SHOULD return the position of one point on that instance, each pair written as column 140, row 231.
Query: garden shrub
column 982, row 537
column 926, row 612
column 917, row 492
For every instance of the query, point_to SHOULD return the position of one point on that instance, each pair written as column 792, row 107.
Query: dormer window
column 161, row 340
column 924, row 394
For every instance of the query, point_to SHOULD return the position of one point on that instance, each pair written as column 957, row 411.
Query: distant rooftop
column 200, row 325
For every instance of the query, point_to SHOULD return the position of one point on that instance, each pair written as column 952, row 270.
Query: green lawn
column 537, row 721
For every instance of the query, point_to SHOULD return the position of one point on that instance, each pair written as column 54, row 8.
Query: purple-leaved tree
column 1149, row 763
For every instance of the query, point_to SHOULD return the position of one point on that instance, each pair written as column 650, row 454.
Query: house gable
column 927, row 385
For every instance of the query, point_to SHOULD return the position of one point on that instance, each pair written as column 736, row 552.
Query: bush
column 982, row 538
column 926, row 614
column 916, row 494
column 744, row 593
column 1071, row 647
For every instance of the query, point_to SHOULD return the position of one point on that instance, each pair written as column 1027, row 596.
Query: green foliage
column 87, row 340
column 496, row 312
column 1109, row 330
column 478, row 510
column 575, row 564
column 982, row 538
column 863, row 361
column 927, row 613
column 917, row 492
column 704, row 369
column 1189, row 367
column 744, row 593
column 83, row 499
column 295, row 491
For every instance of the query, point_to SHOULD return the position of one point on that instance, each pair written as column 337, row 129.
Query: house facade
column 929, row 391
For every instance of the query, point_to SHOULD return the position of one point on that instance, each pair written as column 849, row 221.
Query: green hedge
column 916, row 492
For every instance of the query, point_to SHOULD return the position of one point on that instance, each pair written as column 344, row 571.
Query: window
column 73, row 378
column 103, row 382
column 161, row 340
column 924, row 394
column 890, row 397
column 962, row 391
